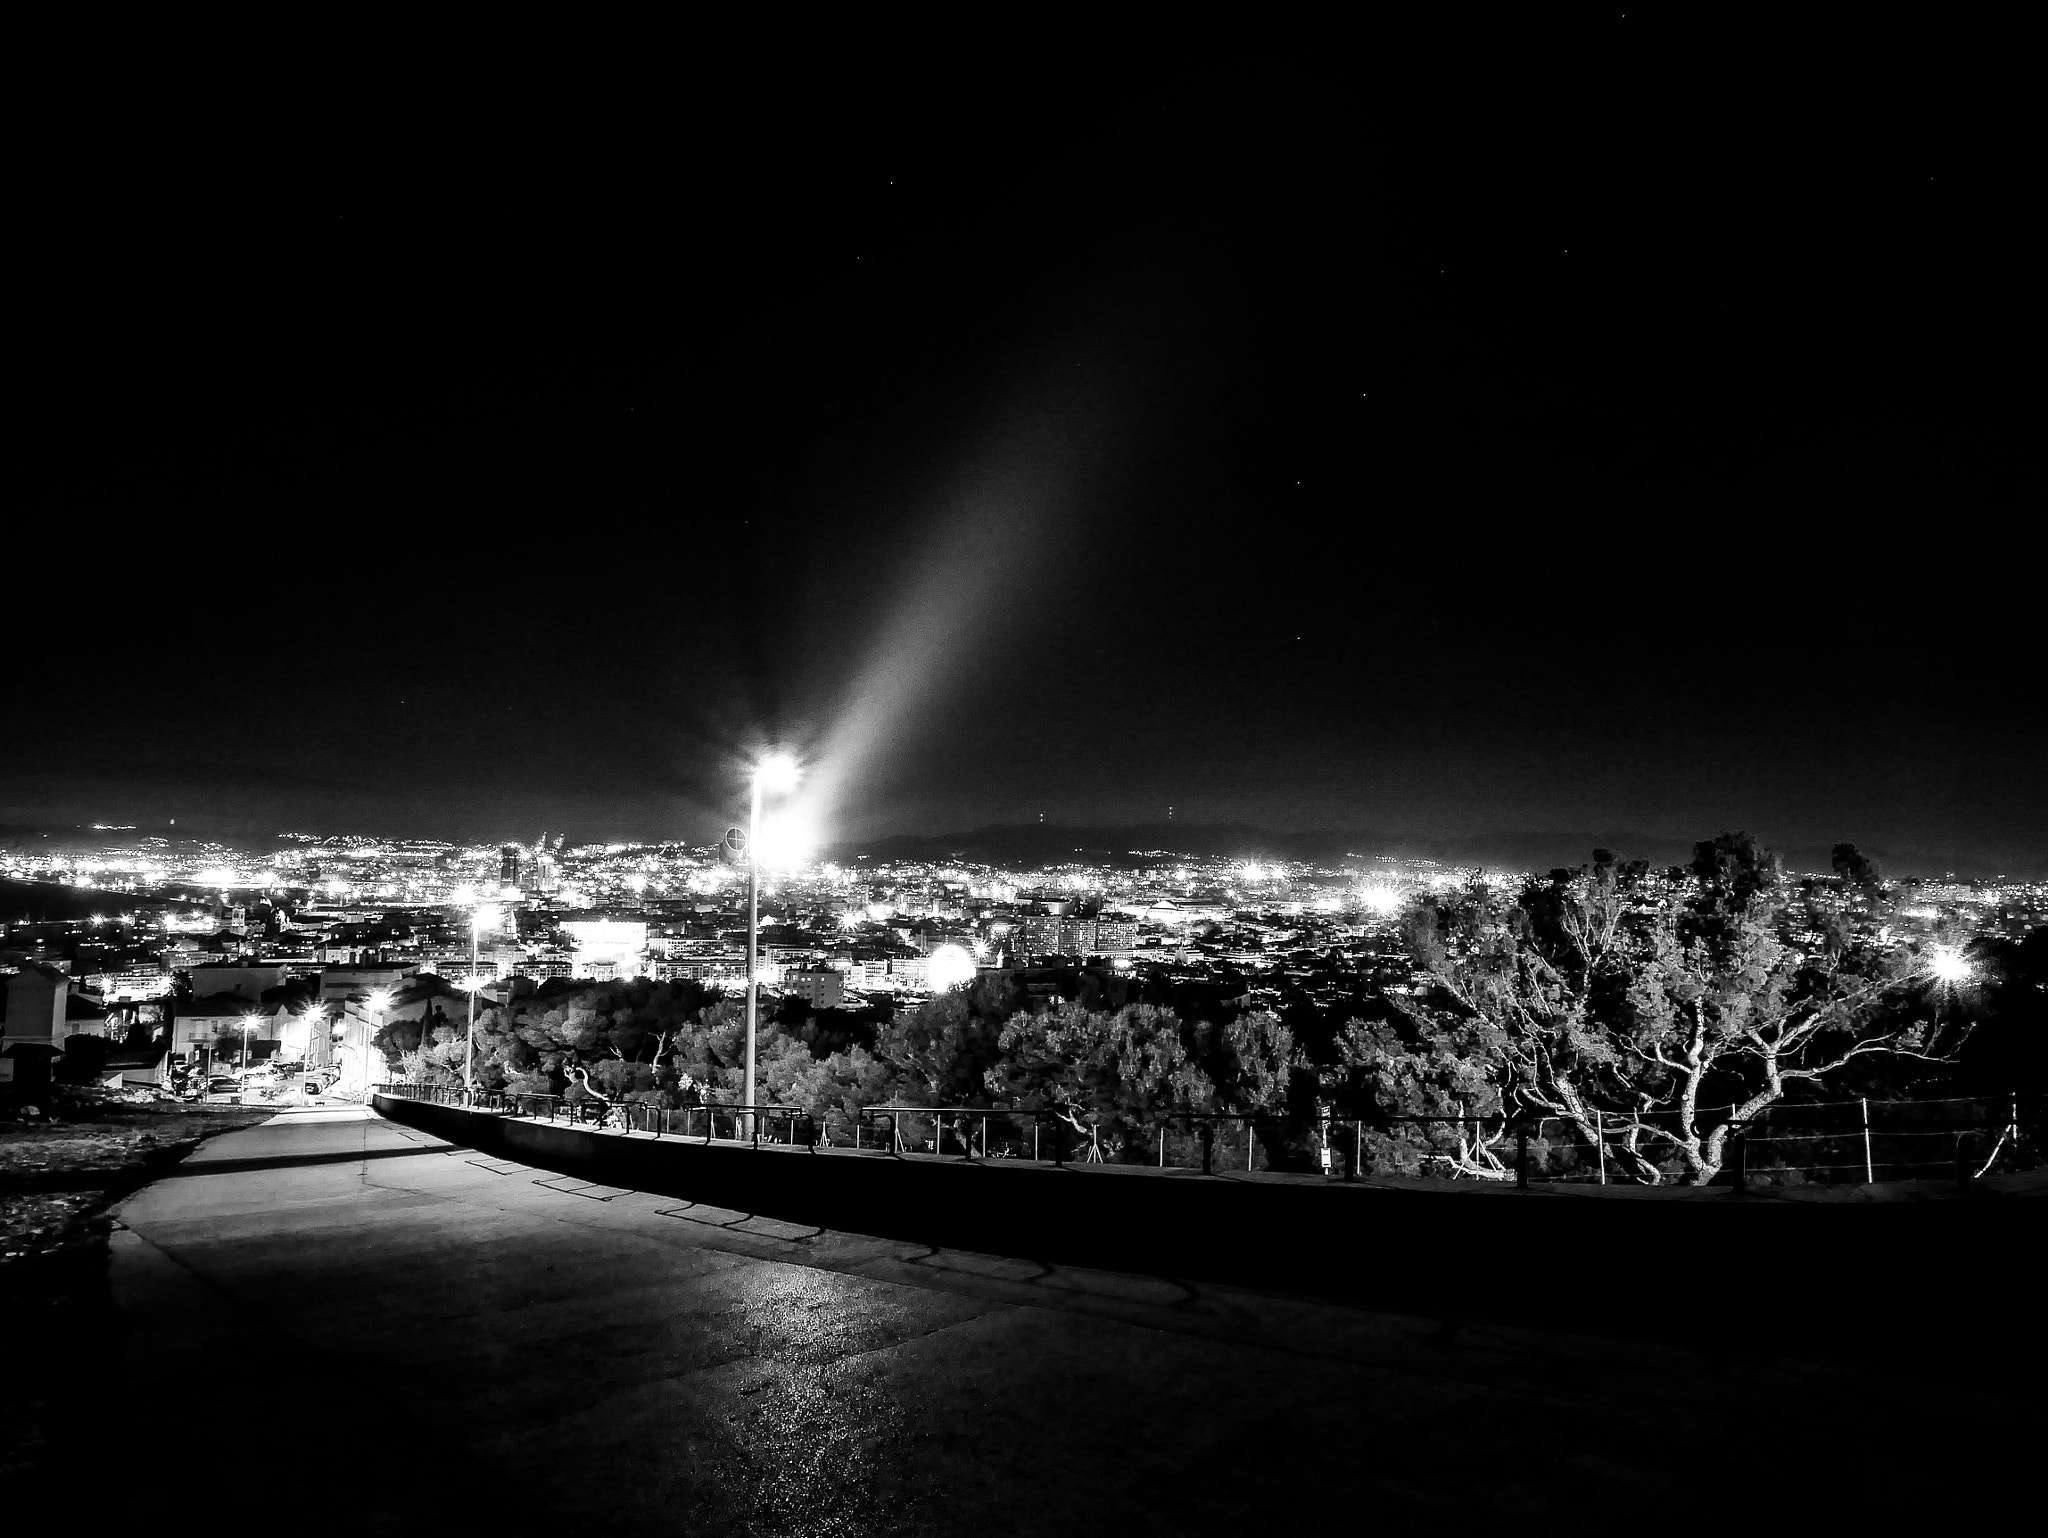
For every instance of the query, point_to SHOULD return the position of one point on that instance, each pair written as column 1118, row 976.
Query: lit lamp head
column 777, row 772
column 485, row 917
column 380, row 1000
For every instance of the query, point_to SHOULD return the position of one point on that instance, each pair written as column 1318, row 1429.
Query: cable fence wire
column 1816, row 1142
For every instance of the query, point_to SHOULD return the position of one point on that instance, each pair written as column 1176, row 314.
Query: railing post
column 1869, row 1170
column 1521, row 1158
column 1962, row 1163
column 1351, row 1155
column 1207, row 1135
column 1741, row 1141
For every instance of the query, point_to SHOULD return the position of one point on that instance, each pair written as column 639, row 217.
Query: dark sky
column 1608, row 426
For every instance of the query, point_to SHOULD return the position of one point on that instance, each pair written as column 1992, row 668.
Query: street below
column 356, row 1326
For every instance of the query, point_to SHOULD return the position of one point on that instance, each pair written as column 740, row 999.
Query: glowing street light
column 1949, row 965
column 777, row 772
column 1381, row 898
column 948, row 967
column 250, row 1022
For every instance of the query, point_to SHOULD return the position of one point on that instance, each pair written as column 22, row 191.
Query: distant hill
column 1036, row 845
column 1041, row 844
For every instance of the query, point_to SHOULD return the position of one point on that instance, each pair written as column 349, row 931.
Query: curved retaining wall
column 1566, row 1254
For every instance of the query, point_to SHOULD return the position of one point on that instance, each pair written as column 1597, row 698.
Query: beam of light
column 990, row 532
column 787, row 839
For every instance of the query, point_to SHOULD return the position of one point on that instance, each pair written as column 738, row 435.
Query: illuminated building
column 1055, row 934
column 609, row 948
column 136, row 983
column 820, row 987
column 1115, row 937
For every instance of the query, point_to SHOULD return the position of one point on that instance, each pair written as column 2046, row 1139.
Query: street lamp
column 315, row 1020
column 778, row 772
column 378, row 1001
column 249, row 1023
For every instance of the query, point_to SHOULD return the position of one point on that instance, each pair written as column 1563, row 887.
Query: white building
column 609, row 948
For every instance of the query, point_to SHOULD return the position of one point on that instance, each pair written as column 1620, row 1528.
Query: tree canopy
column 1648, row 1014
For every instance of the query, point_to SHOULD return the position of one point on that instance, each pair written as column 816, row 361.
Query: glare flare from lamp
column 777, row 772
column 1949, row 965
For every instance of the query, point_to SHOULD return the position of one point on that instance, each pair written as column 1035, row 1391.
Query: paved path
column 421, row 1338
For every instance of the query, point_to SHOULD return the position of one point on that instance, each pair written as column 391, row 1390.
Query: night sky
column 1608, row 428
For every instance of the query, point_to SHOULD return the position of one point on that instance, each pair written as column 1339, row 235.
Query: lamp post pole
column 779, row 771
column 753, row 932
column 469, row 1042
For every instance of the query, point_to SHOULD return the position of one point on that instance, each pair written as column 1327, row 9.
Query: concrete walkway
column 410, row 1336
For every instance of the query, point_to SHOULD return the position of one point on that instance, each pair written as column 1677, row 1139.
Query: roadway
column 352, row 1323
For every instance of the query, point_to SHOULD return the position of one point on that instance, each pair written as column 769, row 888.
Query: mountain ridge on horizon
column 1039, row 844
column 1513, row 849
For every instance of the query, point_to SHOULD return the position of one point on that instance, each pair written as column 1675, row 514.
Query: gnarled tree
column 1651, row 1013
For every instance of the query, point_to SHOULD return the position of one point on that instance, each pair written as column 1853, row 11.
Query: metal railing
column 1810, row 1143
column 705, row 1122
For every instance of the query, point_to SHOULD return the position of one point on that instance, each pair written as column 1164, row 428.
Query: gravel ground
column 57, row 1176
